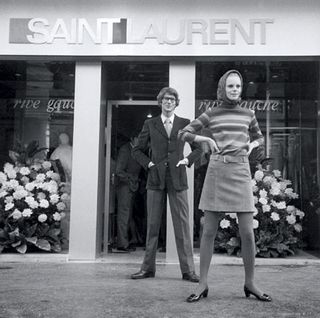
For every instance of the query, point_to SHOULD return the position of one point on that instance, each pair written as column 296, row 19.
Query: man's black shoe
column 142, row 274
column 191, row 276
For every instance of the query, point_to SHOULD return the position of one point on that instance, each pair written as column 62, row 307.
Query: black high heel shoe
column 263, row 297
column 193, row 297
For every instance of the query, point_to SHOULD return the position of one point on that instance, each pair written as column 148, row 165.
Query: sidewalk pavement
column 48, row 286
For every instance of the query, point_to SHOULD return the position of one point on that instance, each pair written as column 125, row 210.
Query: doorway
column 124, row 121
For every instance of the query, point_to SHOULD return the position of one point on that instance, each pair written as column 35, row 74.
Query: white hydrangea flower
column 9, row 206
column 40, row 177
column 41, row 196
column 20, row 194
column 255, row 211
column 266, row 208
column 289, row 192
column 253, row 182
column 275, row 216
column 27, row 213
column 16, row 214
column 46, row 165
column 255, row 223
column 13, row 184
column 3, row 177
column 52, row 186
column 8, row 167
column 281, row 205
column 276, row 173
column 42, row 218
column 231, row 215
column 49, row 174
column 224, row 224
column 300, row 213
column 61, row 206
column 275, row 188
column 298, row 227
column 33, row 204
column 255, row 189
column 263, row 193
column 263, row 201
column 30, row 186
column 55, row 176
column 255, row 199
column 291, row 208
column 54, row 198
column 8, row 199
column 3, row 194
column 44, row 203
column 12, row 174
column 24, row 171
column 25, row 180
column 268, row 180
column 65, row 197
column 56, row 216
column 259, row 175
column 291, row 219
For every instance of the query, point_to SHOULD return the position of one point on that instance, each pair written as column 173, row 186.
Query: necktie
column 167, row 126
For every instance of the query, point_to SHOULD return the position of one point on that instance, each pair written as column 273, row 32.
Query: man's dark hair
column 170, row 91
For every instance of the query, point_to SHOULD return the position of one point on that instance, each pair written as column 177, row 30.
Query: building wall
column 279, row 28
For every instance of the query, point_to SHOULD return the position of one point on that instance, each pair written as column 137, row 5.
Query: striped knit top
column 232, row 128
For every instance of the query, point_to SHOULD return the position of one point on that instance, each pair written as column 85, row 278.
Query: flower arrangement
column 32, row 201
column 277, row 223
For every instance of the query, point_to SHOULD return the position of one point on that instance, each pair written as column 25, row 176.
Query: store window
column 284, row 95
column 36, row 115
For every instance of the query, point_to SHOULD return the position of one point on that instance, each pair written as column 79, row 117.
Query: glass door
column 124, row 122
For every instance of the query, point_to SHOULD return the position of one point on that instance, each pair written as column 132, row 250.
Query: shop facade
column 92, row 71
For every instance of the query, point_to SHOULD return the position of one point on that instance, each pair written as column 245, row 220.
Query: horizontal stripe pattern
column 231, row 128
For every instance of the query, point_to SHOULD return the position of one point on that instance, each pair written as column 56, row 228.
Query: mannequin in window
column 64, row 153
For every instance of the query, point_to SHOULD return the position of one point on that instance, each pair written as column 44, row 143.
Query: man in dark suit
column 127, row 173
column 166, row 167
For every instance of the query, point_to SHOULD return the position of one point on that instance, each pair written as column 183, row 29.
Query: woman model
column 227, row 186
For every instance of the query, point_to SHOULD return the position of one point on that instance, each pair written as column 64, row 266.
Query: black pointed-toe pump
column 263, row 297
column 193, row 297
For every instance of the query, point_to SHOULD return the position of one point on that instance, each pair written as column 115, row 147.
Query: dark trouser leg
column 180, row 218
column 123, row 215
column 155, row 201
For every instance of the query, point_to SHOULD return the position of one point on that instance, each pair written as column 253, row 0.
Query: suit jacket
column 127, row 169
column 155, row 145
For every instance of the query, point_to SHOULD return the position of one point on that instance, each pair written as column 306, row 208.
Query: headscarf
column 221, row 91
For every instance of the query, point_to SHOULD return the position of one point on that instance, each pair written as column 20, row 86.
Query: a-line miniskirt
column 227, row 186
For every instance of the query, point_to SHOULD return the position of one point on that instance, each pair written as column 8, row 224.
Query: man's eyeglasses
column 167, row 99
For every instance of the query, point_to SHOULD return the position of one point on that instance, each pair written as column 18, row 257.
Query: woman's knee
column 247, row 236
column 208, row 233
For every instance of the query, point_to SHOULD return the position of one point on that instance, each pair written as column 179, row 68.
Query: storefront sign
column 128, row 31
column 255, row 105
column 52, row 105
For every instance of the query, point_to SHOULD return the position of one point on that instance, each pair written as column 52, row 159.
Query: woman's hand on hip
column 212, row 145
